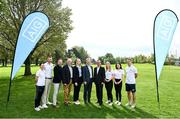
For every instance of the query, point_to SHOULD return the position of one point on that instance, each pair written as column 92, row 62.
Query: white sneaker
column 77, row 102
column 116, row 102
column 40, row 107
column 107, row 101
column 37, row 109
column 111, row 103
column 119, row 103
column 128, row 105
column 44, row 106
column 133, row 106
column 49, row 103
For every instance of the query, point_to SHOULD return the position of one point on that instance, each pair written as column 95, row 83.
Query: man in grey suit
column 87, row 79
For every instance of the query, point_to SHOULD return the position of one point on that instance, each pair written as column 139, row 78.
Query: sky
column 120, row 27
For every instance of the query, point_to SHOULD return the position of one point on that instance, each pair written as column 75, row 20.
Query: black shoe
column 57, row 102
column 100, row 104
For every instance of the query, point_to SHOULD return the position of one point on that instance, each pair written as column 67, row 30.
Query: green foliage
column 80, row 52
column 107, row 58
column 13, row 13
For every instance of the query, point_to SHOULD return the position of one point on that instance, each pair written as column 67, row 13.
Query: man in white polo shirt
column 131, row 75
column 48, row 66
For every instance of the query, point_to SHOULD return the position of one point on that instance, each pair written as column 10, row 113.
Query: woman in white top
column 118, row 75
column 109, row 83
column 40, row 84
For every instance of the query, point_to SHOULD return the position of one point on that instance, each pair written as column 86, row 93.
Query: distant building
column 177, row 63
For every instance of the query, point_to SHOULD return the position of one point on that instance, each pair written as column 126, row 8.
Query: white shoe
column 37, row 109
column 111, row 103
column 40, row 107
column 133, row 106
column 116, row 102
column 119, row 103
column 128, row 105
column 49, row 103
column 77, row 102
column 44, row 106
column 107, row 101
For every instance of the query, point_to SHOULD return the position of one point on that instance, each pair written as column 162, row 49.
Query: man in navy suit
column 87, row 78
column 99, row 77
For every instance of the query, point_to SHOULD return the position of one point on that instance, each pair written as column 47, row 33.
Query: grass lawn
column 23, row 91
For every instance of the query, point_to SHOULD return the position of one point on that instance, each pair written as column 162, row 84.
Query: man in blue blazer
column 87, row 79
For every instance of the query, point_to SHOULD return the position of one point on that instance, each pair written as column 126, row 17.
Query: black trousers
column 76, row 91
column 99, row 93
column 39, row 92
column 109, row 86
column 87, row 92
column 118, row 88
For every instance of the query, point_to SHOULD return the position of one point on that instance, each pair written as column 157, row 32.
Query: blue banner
column 33, row 28
column 164, row 27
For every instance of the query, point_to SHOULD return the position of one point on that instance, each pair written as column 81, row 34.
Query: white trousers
column 45, row 97
column 55, row 94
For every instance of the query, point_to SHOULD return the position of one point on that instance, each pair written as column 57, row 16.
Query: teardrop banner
column 33, row 27
column 165, row 25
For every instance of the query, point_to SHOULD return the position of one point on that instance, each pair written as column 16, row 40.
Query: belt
column 48, row 78
column 108, row 79
column 117, row 79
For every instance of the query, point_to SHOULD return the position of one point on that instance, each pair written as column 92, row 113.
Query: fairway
column 23, row 91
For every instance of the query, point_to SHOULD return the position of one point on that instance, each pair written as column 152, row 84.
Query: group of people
column 77, row 75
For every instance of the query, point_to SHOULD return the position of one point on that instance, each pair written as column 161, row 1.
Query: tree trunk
column 27, row 66
column 37, row 61
column 3, row 63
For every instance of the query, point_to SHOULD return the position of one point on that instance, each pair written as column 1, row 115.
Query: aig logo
column 34, row 29
column 166, row 28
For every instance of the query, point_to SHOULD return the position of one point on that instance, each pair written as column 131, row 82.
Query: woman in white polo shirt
column 109, row 83
column 118, row 75
column 40, row 84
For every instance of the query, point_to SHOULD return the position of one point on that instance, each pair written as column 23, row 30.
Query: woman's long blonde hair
column 108, row 66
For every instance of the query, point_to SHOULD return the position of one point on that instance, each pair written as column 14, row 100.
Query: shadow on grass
column 121, row 112
column 22, row 105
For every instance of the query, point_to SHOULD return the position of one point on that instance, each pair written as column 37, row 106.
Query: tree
column 107, row 58
column 110, row 58
column 103, row 59
column 80, row 52
column 13, row 13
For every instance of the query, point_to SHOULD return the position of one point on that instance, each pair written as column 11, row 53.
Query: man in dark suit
column 87, row 78
column 67, row 80
column 58, row 77
column 99, row 77
column 77, row 80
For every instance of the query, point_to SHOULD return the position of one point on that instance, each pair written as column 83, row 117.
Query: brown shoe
column 66, row 104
